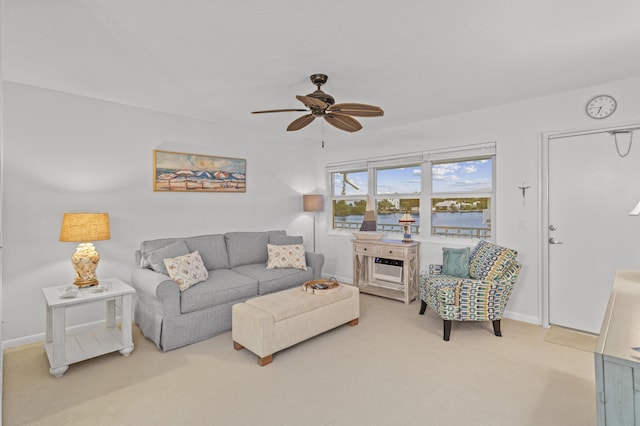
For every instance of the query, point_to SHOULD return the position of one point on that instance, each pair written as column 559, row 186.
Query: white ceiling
column 220, row 59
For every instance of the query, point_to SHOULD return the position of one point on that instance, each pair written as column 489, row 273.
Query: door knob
column 553, row 240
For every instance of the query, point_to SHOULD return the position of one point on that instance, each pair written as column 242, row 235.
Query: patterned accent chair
column 483, row 296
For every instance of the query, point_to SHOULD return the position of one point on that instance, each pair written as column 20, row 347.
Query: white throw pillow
column 289, row 256
column 187, row 270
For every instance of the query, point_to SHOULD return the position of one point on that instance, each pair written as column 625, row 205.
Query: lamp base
column 85, row 261
column 406, row 233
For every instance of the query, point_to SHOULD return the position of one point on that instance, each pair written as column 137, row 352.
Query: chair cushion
column 488, row 261
column 456, row 261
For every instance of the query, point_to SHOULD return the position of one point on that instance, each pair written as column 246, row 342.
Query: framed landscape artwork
column 182, row 172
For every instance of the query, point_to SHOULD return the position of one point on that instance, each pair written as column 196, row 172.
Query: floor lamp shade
column 83, row 228
column 313, row 202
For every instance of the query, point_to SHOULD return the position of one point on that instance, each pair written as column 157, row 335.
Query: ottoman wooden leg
column 237, row 346
column 265, row 360
column 354, row 322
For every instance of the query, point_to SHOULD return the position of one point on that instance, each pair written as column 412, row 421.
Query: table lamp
column 313, row 203
column 406, row 220
column 83, row 228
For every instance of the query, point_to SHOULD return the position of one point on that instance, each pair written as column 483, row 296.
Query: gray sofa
column 236, row 262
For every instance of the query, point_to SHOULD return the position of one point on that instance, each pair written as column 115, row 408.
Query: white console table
column 364, row 255
column 617, row 371
column 64, row 349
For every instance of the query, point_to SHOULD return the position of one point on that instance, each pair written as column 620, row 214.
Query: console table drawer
column 390, row 252
column 369, row 250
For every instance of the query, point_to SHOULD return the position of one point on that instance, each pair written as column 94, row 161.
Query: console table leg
column 58, row 371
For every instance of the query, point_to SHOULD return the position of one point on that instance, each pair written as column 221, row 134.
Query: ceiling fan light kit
column 321, row 104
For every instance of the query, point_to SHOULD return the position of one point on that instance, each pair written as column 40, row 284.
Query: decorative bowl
column 368, row 235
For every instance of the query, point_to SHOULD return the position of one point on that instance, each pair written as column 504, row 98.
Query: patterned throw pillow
column 289, row 256
column 455, row 262
column 489, row 261
column 187, row 270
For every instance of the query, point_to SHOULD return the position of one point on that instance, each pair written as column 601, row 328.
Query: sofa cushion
column 155, row 257
column 186, row 270
column 271, row 280
column 245, row 248
column 212, row 249
column 291, row 256
column 284, row 240
column 223, row 286
column 488, row 261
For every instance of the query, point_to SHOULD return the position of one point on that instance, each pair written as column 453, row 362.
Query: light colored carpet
column 572, row 338
column 391, row 369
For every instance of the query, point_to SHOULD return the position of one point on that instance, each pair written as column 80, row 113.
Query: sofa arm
column 316, row 261
column 159, row 288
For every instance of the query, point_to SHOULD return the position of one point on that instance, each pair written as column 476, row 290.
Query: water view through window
column 459, row 198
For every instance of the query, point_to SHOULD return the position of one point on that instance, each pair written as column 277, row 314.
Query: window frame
column 424, row 160
column 488, row 194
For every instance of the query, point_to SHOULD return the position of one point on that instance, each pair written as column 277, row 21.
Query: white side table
column 64, row 349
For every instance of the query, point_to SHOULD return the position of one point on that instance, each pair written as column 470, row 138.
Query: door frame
column 543, row 203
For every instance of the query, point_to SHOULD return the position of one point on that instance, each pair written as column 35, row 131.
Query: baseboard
column 521, row 317
column 39, row 338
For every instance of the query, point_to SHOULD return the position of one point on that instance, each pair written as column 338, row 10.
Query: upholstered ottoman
column 270, row 323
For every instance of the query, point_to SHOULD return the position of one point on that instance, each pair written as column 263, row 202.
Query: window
column 349, row 198
column 461, row 194
column 397, row 192
column 457, row 185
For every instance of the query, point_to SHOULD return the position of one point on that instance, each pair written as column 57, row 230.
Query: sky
column 464, row 176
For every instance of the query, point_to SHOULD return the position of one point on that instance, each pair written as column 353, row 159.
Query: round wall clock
column 601, row 106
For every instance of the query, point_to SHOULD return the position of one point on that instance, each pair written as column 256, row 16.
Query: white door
column 592, row 189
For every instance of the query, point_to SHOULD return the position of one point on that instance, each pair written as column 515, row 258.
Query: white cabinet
column 385, row 279
column 617, row 371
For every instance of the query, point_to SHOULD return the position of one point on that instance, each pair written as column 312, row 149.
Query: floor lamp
column 313, row 203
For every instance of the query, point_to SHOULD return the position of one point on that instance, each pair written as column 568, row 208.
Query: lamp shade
column 406, row 218
column 313, row 202
column 85, row 227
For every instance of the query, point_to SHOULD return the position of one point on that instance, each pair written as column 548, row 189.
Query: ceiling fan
column 321, row 104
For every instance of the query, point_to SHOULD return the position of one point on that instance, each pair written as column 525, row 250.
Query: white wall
column 66, row 153
column 515, row 128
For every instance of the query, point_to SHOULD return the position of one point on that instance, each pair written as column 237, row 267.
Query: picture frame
column 185, row 172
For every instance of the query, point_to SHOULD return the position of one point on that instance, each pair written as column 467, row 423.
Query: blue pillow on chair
column 455, row 262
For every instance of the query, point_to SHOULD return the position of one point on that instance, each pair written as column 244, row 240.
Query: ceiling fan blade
column 343, row 122
column 312, row 102
column 277, row 110
column 300, row 122
column 358, row 110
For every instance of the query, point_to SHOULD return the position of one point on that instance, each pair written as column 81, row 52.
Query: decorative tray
column 321, row 286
